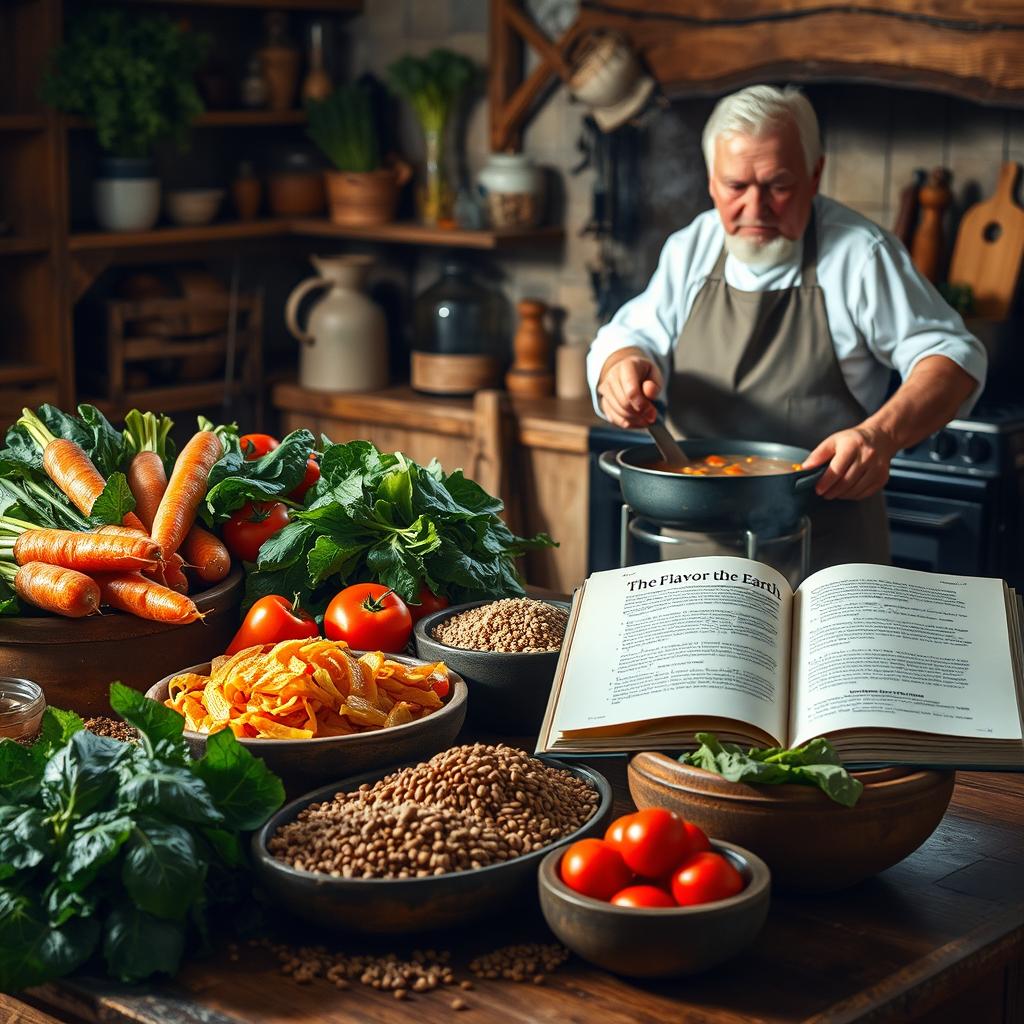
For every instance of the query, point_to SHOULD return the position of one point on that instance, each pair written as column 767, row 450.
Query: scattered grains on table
column 513, row 625
column 525, row 962
column 467, row 807
column 115, row 728
column 459, row 1004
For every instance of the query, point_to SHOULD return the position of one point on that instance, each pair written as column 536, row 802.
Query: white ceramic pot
column 345, row 341
column 126, row 195
column 513, row 188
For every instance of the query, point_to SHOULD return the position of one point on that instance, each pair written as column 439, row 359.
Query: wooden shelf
column 22, row 122
column 98, row 241
column 173, row 398
column 418, row 234
column 17, row 245
column 156, row 348
column 21, row 373
column 335, row 6
column 224, row 119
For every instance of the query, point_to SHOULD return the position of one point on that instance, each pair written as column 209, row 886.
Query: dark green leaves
column 814, row 764
column 114, row 503
column 138, row 944
column 243, row 788
column 81, row 775
column 158, row 725
column 161, row 870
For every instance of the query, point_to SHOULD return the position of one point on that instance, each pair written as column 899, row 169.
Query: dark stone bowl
column 305, row 763
column 656, row 942
column 510, row 691
column 399, row 905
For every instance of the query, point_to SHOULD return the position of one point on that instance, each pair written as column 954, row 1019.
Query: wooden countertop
column 939, row 929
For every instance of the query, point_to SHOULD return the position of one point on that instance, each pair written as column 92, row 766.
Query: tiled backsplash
column 874, row 137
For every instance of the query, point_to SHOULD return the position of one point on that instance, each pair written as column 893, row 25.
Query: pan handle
column 807, row 482
column 607, row 464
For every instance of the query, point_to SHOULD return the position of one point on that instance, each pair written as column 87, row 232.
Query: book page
column 692, row 636
column 879, row 647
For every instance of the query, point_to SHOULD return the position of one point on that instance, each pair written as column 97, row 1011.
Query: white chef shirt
column 882, row 313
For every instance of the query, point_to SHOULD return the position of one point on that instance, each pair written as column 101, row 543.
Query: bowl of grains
column 506, row 651
column 429, row 845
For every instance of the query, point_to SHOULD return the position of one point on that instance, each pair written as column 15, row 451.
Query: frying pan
column 767, row 504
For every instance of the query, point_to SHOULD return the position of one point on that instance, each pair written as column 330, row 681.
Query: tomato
column 245, row 532
column 654, row 841
column 428, row 602
column 698, row 839
column 705, row 877
column 270, row 620
column 369, row 617
column 311, row 477
column 255, row 446
column 615, row 830
column 594, row 868
column 643, row 896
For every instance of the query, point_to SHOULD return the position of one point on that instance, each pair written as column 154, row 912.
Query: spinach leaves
column 107, row 847
column 814, row 764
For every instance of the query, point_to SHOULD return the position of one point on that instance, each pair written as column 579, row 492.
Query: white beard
column 753, row 253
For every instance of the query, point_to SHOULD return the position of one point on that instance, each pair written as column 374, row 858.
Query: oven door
column 941, row 524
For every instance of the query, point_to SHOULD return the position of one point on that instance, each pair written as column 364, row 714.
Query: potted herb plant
column 362, row 189
column 133, row 76
column 434, row 85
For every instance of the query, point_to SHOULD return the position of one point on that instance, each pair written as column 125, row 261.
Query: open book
column 894, row 666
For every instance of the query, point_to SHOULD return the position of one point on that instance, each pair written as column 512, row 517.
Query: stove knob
column 978, row 448
column 943, row 445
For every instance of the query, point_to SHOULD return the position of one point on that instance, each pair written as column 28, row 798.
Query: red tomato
column 245, row 532
column 654, row 841
column 698, row 839
column 369, row 617
column 428, row 602
column 255, row 446
column 594, row 868
column 705, row 877
column 643, row 896
column 269, row 621
column 615, row 830
column 311, row 477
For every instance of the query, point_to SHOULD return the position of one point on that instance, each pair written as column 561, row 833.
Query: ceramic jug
column 345, row 342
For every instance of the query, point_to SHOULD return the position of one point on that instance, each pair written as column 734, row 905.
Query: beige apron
column 761, row 366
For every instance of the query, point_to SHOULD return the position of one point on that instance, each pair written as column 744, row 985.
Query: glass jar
column 462, row 328
column 21, row 708
column 513, row 187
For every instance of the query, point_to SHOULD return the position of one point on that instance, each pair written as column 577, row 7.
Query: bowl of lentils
column 506, row 650
column 427, row 845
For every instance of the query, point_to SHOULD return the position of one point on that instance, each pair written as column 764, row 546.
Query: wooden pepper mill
column 934, row 197
column 531, row 374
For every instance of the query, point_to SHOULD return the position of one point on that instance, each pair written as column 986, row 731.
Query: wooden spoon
column 674, row 456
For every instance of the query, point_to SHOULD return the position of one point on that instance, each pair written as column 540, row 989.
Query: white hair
column 755, row 111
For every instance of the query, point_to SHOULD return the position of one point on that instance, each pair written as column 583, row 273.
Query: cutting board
column 990, row 246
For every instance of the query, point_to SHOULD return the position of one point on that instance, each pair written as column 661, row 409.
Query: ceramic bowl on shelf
column 192, row 207
column 509, row 690
column 311, row 762
column 400, row 905
column 811, row 843
column 658, row 942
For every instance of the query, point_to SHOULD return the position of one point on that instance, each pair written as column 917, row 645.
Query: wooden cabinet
column 530, row 452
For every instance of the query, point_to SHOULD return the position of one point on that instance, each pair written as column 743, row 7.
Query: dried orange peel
column 300, row 689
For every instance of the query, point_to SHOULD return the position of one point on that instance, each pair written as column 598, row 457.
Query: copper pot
column 366, row 198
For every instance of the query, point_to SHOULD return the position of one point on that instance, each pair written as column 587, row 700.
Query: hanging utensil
column 674, row 456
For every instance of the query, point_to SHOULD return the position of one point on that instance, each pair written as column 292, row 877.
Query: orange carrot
column 206, row 554
column 174, row 574
column 148, row 481
column 130, row 592
column 87, row 552
column 187, row 487
column 58, row 590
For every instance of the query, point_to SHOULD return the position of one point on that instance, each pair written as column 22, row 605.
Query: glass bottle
column 317, row 84
column 461, row 341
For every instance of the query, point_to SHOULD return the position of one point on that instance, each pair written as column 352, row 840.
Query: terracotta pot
column 296, row 193
column 366, row 198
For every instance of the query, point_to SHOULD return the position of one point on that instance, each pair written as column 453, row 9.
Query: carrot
column 87, row 552
column 167, row 574
column 68, row 466
column 148, row 481
column 174, row 574
column 56, row 589
column 187, row 487
column 206, row 554
column 130, row 592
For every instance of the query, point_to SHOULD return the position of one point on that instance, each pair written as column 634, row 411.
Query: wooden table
column 938, row 938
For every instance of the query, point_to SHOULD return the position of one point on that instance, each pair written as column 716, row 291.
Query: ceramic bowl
column 190, row 207
column 305, row 763
column 396, row 906
column 656, row 942
column 811, row 843
column 510, row 691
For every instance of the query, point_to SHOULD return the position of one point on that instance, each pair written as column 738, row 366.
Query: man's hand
column 627, row 388
column 858, row 463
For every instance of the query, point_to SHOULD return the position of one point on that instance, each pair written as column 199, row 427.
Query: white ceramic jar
column 513, row 187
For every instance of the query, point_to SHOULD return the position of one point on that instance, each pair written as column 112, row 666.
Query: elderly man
column 779, row 315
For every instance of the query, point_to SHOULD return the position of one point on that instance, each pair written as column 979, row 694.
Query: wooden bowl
column 76, row 660
column 510, row 691
column 305, row 763
column 657, row 942
column 811, row 843
column 398, row 905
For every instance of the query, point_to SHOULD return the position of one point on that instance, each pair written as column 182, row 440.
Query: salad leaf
column 115, row 502
column 814, row 764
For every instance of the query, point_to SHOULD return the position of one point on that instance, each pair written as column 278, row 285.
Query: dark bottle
column 461, row 341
